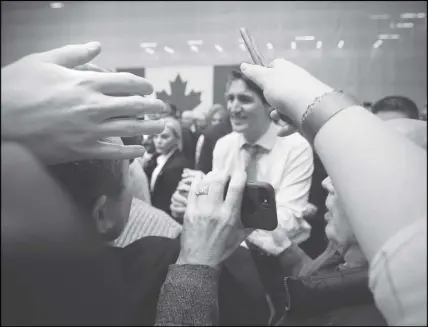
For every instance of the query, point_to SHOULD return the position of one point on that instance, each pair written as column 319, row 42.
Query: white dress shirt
column 161, row 161
column 288, row 166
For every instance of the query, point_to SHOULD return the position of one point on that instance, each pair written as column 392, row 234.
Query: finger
column 191, row 200
column 287, row 130
column 109, row 151
column 274, row 115
column 91, row 67
column 255, row 73
column 71, row 56
column 190, row 172
column 310, row 211
column 122, row 84
column 179, row 200
column 188, row 180
column 183, row 187
column 128, row 127
column 178, row 209
column 235, row 191
column 130, row 106
column 217, row 183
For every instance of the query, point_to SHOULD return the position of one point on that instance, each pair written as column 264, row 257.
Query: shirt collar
column 266, row 141
column 164, row 157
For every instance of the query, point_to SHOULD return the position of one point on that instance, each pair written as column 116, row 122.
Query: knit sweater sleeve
column 189, row 297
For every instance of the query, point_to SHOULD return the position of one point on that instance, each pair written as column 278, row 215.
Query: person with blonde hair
column 218, row 114
column 166, row 166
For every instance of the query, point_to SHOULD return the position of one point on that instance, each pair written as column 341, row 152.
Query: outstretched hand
column 62, row 114
column 288, row 88
column 212, row 228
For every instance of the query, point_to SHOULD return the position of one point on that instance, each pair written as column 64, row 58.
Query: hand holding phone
column 258, row 59
column 258, row 208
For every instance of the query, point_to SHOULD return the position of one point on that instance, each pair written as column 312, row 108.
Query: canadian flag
column 187, row 87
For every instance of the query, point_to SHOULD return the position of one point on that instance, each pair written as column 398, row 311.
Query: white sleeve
column 218, row 156
column 292, row 197
column 398, row 276
column 291, row 201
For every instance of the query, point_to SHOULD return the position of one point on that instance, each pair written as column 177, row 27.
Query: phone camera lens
column 265, row 202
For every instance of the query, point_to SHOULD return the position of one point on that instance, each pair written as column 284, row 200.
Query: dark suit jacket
column 212, row 135
column 167, row 180
column 189, row 145
column 317, row 242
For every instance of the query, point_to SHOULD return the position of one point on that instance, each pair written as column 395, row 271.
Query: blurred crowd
column 97, row 230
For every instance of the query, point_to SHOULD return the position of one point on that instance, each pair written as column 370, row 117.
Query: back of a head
column 173, row 110
column 392, row 107
column 86, row 180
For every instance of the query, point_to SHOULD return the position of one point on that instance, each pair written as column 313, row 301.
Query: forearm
column 189, row 297
column 292, row 260
column 287, row 263
column 380, row 201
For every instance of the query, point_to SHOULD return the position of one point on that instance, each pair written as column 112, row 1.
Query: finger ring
column 202, row 191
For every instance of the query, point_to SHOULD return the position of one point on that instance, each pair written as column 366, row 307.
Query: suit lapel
column 167, row 165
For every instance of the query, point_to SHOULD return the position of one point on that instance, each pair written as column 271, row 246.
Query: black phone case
column 258, row 208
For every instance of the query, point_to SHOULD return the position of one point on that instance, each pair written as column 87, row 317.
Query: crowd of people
column 114, row 213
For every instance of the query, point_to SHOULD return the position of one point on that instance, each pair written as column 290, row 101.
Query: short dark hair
column 86, row 180
column 397, row 103
column 174, row 110
column 237, row 75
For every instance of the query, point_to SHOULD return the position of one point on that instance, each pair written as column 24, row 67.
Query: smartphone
column 257, row 58
column 258, row 208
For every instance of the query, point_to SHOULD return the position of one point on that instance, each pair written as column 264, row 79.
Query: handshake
column 179, row 198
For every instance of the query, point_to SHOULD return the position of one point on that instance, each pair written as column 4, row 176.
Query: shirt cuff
column 189, row 296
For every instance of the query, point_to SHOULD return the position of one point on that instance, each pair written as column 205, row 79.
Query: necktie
column 253, row 151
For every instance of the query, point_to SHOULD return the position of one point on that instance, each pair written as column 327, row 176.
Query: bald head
column 187, row 118
column 201, row 120
column 414, row 130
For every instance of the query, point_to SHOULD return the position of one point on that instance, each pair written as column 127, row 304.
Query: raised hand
column 62, row 114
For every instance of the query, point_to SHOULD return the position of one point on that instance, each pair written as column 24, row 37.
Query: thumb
column 255, row 73
column 72, row 56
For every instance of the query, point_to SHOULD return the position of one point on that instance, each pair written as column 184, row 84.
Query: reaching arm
column 381, row 177
column 189, row 297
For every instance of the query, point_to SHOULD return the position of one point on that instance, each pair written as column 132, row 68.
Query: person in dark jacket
column 317, row 242
column 165, row 168
column 211, row 136
column 331, row 290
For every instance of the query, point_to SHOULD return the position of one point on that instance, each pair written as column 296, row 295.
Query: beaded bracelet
column 321, row 110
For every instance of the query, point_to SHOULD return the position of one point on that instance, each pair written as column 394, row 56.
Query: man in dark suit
column 189, row 137
column 212, row 135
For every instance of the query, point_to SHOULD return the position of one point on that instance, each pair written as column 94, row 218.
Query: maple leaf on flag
column 178, row 95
